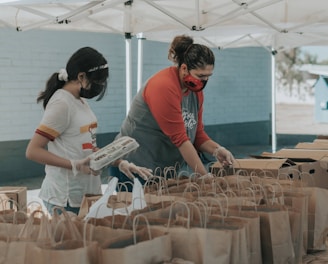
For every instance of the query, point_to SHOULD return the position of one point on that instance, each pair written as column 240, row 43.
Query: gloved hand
column 224, row 156
column 128, row 168
column 83, row 167
column 206, row 176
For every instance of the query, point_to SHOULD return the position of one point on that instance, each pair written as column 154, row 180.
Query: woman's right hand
column 83, row 166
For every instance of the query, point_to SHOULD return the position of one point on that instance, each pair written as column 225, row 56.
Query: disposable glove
column 82, row 166
column 224, row 156
column 128, row 168
column 206, row 176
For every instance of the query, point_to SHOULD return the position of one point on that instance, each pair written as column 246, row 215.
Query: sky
column 320, row 51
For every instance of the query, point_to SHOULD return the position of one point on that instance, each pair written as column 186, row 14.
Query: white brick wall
column 238, row 92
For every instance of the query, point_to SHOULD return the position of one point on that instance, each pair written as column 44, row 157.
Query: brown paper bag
column 240, row 251
column 37, row 228
column 16, row 238
column 253, row 232
column 63, row 227
column 299, row 203
column 200, row 245
column 199, row 214
column 191, row 242
column 296, row 201
column 101, row 230
column 151, row 198
column 143, row 246
column 276, row 240
column 296, row 214
column 219, row 206
column 296, row 232
column 66, row 243
column 11, row 250
column 317, row 217
column 69, row 251
column 12, row 225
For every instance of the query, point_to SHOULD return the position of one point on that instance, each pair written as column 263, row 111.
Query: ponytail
column 52, row 85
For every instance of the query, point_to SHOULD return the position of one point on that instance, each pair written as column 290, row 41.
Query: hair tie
column 62, row 75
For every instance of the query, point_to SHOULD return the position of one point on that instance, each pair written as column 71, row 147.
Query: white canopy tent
column 219, row 23
column 273, row 24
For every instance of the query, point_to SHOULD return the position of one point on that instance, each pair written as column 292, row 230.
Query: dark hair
column 183, row 50
column 86, row 60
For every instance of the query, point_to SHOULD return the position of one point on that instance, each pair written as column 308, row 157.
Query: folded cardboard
column 313, row 162
column 313, row 145
column 13, row 197
column 298, row 154
column 262, row 167
column 321, row 140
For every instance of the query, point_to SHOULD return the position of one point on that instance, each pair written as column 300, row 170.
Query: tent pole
column 273, row 96
column 128, row 65
column 128, row 54
column 140, row 60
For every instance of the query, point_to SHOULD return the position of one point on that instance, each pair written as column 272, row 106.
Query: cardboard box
column 322, row 137
column 263, row 167
column 13, row 197
column 313, row 163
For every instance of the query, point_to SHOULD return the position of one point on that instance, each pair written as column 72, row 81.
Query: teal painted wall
column 14, row 166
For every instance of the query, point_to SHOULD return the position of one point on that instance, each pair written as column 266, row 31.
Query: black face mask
column 94, row 91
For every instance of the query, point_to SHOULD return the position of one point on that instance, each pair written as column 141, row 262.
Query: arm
column 190, row 155
column 219, row 152
column 209, row 146
column 203, row 143
column 36, row 151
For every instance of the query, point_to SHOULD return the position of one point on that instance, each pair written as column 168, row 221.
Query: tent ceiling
column 280, row 24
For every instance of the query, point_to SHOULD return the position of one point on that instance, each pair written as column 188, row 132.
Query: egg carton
column 113, row 151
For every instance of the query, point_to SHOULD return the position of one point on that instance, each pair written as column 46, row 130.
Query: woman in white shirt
column 66, row 135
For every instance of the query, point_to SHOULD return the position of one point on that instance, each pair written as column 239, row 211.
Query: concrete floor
column 298, row 119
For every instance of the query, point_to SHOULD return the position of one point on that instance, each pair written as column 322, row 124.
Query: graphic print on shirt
column 91, row 128
column 189, row 109
column 188, row 119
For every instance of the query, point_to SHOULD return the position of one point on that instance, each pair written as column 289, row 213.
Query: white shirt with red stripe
column 70, row 125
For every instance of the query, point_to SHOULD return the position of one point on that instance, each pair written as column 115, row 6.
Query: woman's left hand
column 128, row 168
column 224, row 156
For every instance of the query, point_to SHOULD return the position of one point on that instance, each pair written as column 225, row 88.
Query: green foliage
column 288, row 76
